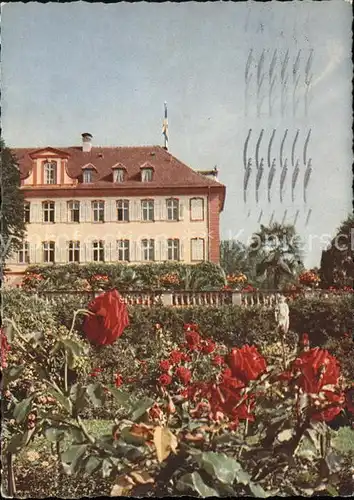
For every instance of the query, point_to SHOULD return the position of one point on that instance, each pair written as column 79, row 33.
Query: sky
column 108, row 68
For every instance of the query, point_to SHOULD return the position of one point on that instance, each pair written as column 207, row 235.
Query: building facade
column 115, row 204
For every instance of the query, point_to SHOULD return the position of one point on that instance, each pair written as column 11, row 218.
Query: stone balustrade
column 188, row 298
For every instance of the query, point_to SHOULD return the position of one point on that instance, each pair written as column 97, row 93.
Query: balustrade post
column 236, row 298
column 166, row 298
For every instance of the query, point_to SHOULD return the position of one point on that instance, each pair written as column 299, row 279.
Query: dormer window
column 146, row 175
column 87, row 176
column 87, row 173
column 118, row 175
column 147, row 172
column 50, row 172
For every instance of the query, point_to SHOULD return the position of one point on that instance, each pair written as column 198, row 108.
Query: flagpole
column 165, row 127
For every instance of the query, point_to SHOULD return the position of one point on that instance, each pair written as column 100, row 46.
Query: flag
column 165, row 127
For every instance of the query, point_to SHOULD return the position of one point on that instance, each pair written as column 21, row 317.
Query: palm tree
column 337, row 262
column 234, row 257
column 276, row 254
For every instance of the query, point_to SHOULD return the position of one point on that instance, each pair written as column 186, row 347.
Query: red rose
column 193, row 340
column 332, row 406
column 165, row 379
column 317, row 368
column 184, row 374
column 208, row 346
column 110, row 318
column 191, row 326
column 246, row 363
column 118, row 380
column 155, row 412
column 164, row 365
column 175, row 357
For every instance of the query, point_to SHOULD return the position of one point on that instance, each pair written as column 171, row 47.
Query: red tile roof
column 168, row 170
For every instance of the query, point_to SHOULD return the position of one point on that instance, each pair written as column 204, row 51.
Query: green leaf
column 65, row 402
column 130, row 438
column 242, row 477
column 79, row 397
column 106, row 468
column 54, row 434
column 121, row 397
column 11, row 374
column 220, row 466
column 22, row 409
column 332, row 490
column 92, row 464
column 73, row 453
column 15, row 444
column 72, row 346
column 96, row 394
column 140, row 408
column 258, row 492
column 77, row 435
column 9, row 332
column 194, row 483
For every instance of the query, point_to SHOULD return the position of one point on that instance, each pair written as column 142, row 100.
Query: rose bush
column 189, row 415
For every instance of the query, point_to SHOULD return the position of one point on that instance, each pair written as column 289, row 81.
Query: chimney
column 86, row 142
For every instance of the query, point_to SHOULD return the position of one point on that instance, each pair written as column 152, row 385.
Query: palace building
column 115, row 204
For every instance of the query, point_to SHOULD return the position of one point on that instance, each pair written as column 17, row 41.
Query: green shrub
column 203, row 276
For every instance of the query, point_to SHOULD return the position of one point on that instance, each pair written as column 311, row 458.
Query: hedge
column 203, row 276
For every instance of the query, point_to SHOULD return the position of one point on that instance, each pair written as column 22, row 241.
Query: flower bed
column 190, row 413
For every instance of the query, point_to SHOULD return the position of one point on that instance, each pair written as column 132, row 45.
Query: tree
column 234, row 257
column 277, row 254
column 12, row 204
column 337, row 261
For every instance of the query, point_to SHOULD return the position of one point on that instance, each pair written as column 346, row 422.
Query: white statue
column 282, row 314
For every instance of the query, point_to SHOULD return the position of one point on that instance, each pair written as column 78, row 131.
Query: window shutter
column 163, row 250
column 113, row 210
column 181, row 251
column 63, row 211
column 87, row 211
column 35, row 212
column 137, row 210
column 181, row 210
column 107, row 251
column 163, row 209
column 32, row 253
column 107, row 211
column 157, row 209
column 82, row 213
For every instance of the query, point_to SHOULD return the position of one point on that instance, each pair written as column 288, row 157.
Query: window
column 146, row 174
column 74, row 251
column 48, row 251
column 87, row 176
column 172, row 205
column 27, row 212
column 147, row 210
column 197, row 249
column 118, row 175
column 48, row 211
column 74, row 211
column 23, row 254
column 50, row 172
column 173, row 249
column 98, row 251
column 148, row 249
column 98, row 211
column 123, row 250
column 123, row 210
column 197, row 208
